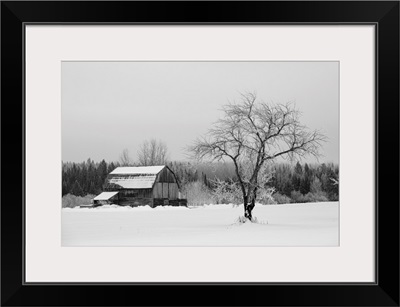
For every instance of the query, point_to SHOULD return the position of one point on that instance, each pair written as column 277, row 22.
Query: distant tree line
column 304, row 183
column 292, row 183
column 85, row 178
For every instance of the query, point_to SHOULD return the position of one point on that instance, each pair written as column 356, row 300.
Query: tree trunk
column 248, row 208
column 249, row 204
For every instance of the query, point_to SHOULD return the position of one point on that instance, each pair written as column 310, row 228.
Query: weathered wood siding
column 170, row 202
column 166, row 185
column 165, row 190
column 166, row 176
column 173, row 191
column 157, row 190
column 135, row 193
column 135, row 202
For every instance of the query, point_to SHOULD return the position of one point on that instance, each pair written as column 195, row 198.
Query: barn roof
column 138, row 177
column 105, row 195
column 137, row 181
column 154, row 170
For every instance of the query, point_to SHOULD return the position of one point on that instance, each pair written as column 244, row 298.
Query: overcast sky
column 109, row 106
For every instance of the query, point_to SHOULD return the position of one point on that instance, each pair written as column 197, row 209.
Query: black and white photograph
column 200, row 153
column 194, row 146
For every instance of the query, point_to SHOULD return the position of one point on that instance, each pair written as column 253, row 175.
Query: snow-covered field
column 312, row 224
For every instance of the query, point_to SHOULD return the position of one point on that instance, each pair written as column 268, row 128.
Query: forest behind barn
column 292, row 183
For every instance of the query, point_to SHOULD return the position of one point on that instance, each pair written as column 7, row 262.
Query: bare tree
column 125, row 159
column 153, row 152
column 253, row 133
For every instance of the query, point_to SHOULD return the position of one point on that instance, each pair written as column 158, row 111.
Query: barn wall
column 135, row 197
column 174, row 202
column 166, row 176
column 135, row 202
column 166, row 185
column 165, row 190
column 157, row 190
column 137, row 193
column 173, row 191
column 112, row 200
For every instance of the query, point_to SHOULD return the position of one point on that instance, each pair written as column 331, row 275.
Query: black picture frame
column 383, row 14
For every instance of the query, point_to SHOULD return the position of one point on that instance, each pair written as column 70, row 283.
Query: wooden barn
column 140, row 186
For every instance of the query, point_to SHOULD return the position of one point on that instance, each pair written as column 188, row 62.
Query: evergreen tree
column 316, row 186
column 65, row 188
column 77, row 189
column 298, row 174
column 298, row 169
column 304, row 184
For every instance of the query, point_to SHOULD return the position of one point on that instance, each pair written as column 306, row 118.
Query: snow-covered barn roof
column 126, row 170
column 138, row 181
column 139, row 177
column 105, row 195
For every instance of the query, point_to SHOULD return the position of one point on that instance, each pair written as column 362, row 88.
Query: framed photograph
column 233, row 153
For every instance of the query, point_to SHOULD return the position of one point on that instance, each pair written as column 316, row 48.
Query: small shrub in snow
column 254, row 220
column 198, row 194
column 281, row 199
column 333, row 197
column 241, row 220
column 297, row 197
column 316, row 197
column 71, row 201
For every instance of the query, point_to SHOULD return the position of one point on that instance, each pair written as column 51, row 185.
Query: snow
column 105, row 195
column 138, row 170
column 311, row 224
column 134, row 182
